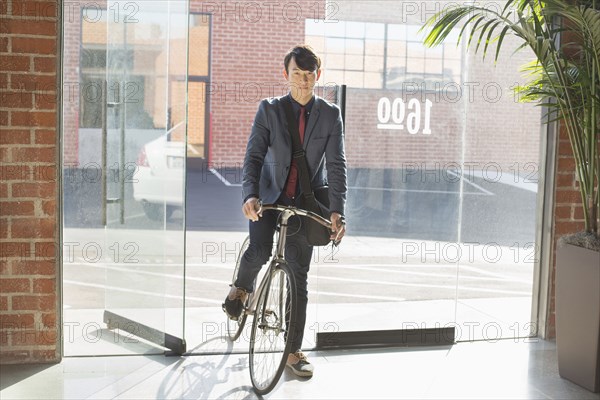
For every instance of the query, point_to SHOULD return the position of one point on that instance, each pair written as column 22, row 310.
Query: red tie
column 290, row 187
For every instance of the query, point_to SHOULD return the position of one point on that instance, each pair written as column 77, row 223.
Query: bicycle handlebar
column 298, row 211
column 295, row 211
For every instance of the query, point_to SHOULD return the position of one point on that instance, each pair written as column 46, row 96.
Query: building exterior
column 234, row 50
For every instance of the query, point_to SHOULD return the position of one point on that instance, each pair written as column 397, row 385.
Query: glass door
column 124, row 278
column 442, row 175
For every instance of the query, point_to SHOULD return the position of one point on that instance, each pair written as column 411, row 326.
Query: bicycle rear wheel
column 234, row 328
column 275, row 317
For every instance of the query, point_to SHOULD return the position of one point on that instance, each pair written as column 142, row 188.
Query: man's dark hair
column 305, row 58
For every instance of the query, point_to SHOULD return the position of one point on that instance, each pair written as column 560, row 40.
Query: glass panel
column 317, row 43
column 196, row 119
column 132, row 264
column 314, row 27
column 501, row 146
column 415, row 211
column 355, row 29
column 407, row 146
column 374, row 47
column 373, row 63
column 396, row 48
column 354, row 63
column 375, row 31
column 434, row 66
column 334, row 77
column 373, row 80
column 396, row 32
column 199, row 37
column 335, row 45
column 354, row 79
column 335, row 61
column 354, row 46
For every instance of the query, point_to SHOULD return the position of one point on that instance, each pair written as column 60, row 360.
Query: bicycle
column 273, row 308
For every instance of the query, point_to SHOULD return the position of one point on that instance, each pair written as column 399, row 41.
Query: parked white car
column 159, row 179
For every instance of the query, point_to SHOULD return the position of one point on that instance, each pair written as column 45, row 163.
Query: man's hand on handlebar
column 251, row 209
column 338, row 227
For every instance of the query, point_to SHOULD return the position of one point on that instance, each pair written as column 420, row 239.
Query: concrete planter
column 578, row 315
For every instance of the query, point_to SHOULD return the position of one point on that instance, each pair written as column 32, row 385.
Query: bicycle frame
column 277, row 313
column 286, row 214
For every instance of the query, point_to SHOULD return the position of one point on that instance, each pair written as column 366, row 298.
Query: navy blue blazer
column 269, row 152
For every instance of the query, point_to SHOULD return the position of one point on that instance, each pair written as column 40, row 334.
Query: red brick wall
column 71, row 80
column 568, row 213
column 28, row 186
column 249, row 41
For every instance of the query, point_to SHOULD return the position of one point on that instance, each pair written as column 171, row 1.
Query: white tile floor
column 475, row 370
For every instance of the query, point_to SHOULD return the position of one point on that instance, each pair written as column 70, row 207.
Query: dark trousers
column 298, row 254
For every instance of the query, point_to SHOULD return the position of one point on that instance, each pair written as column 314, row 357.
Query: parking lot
column 405, row 256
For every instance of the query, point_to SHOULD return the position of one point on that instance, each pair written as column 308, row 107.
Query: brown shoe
column 299, row 364
column 234, row 302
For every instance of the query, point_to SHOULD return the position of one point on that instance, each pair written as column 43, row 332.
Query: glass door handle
column 103, row 150
column 121, row 172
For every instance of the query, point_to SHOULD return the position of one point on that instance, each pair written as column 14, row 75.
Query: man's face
column 300, row 80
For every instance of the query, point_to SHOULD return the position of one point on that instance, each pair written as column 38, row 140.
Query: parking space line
column 423, row 285
column 145, row 293
column 472, row 183
column 418, row 190
column 158, row 274
column 484, row 192
column 492, row 277
column 222, row 178
column 359, row 296
column 321, row 265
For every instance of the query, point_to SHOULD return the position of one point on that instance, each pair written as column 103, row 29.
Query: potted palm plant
column 564, row 76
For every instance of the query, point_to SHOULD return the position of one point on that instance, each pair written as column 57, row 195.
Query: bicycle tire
column 269, row 347
column 235, row 327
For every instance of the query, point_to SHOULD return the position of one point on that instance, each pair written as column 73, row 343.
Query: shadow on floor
column 12, row 374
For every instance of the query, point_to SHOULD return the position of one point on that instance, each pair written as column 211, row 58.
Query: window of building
column 382, row 56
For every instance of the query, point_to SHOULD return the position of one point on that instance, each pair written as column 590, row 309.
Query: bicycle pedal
column 226, row 313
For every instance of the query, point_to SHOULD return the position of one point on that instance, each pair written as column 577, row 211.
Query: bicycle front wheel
column 274, row 321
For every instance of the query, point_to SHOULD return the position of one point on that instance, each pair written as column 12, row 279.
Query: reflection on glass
column 133, row 263
column 335, row 45
column 373, row 64
column 374, row 47
column 355, row 29
column 354, row 46
column 396, row 32
column 374, row 31
column 317, row 43
column 354, row 62
column 199, row 30
column 433, row 234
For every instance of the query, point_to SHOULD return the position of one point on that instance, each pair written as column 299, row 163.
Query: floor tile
column 506, row 369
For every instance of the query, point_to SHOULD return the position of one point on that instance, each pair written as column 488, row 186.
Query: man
column 270, row 174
